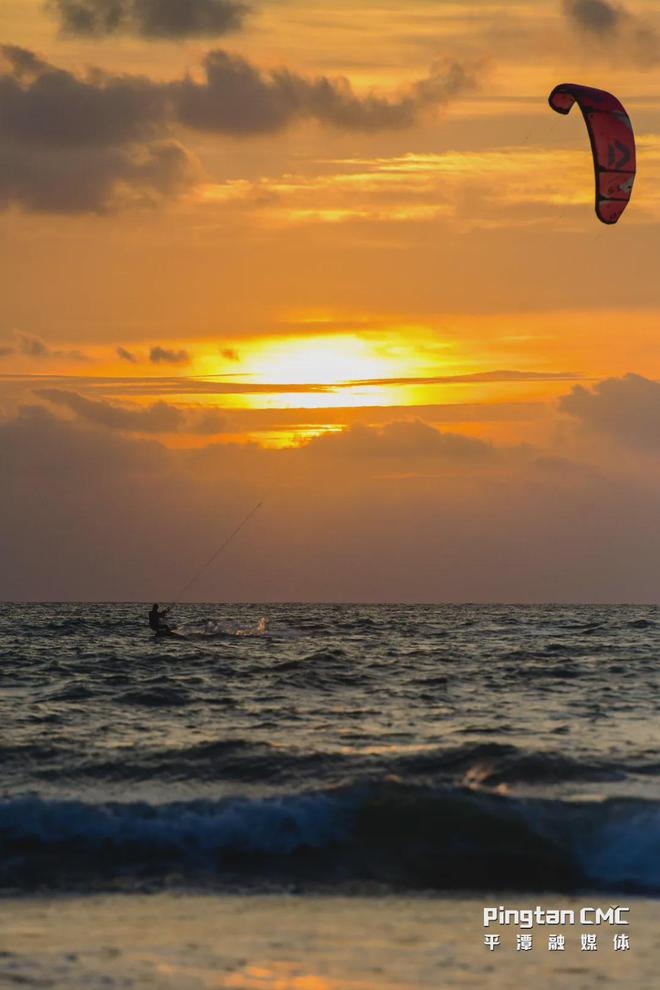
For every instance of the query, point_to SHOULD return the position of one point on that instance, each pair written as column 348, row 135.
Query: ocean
column 322, row 755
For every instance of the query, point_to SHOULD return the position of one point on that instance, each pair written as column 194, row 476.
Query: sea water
column 330, row 748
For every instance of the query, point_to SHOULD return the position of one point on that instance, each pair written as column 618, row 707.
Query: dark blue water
column 434, row 747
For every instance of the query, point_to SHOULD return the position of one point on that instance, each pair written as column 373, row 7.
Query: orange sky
column 331, row 218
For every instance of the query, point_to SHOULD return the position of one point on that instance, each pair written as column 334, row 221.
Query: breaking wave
column 398, row 836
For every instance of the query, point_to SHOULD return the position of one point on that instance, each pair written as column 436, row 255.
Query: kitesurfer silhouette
column 156, row 620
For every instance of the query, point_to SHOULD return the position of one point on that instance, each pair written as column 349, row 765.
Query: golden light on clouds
column 495, row 187
column 353, row 230
column 438, row 231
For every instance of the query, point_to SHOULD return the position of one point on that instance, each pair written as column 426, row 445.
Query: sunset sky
column 339, row 256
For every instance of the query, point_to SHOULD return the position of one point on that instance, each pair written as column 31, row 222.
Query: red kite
column 612, row 144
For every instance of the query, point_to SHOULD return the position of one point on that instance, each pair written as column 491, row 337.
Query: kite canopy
column 612, row 144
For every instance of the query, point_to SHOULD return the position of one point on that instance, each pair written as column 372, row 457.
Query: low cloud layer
column 402, row 519
column 152, row 19
column 97, row 142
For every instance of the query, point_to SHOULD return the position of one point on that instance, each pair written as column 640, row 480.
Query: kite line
column 216, row 553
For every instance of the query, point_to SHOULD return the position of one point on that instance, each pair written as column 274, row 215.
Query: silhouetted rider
column 156, row 620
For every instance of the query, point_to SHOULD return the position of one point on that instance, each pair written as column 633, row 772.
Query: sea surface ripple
column 420, row 746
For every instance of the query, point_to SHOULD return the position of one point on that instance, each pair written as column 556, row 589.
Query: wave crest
column 397, row 835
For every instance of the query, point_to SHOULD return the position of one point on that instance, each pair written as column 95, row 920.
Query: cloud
column 207, row 422
column 230, row 354
column 163, row 355
column 266, row 419
column 93, row 180
column 237, row 98
column 52, row 108
column 162, row 385
column 219, row 385
column 627, row 408
column 157, row 355
column 126, row 355
column 24, row 64
column 403, row 439
column 182, row 389
column 84, row 144
column 454, row 187
column 151, row 19
column 32, row 346
column 595, row 15
column 100, row 142
column 612, row 26
column 159, row 417
column 35, row 443
column 472, row 378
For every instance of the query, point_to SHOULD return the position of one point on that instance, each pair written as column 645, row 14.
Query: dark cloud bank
column 95, row 142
